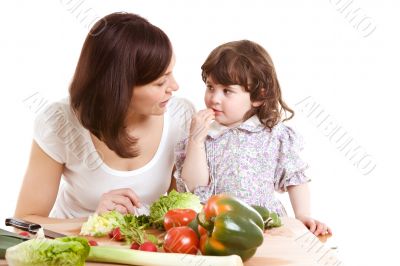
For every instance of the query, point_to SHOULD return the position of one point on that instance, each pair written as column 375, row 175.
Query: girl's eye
column 227, row 91
column 209, row 88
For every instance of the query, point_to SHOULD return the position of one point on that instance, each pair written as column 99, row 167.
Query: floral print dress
column 250, row 162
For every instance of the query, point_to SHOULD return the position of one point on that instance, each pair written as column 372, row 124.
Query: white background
column 318, row 53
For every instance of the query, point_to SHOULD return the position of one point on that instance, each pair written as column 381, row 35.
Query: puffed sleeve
column 290, row 168
column 49, row 127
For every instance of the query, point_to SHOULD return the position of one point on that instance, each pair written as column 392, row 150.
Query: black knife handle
column 22, row 224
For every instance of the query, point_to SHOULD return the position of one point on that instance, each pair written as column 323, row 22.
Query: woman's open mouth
column 164, row 103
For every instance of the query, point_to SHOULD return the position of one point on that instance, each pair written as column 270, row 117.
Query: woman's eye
column 209, row 88
column 227, row 91
column 161, row 82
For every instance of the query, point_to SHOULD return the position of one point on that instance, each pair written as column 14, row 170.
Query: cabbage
column 174, row 200
column 101, row 225
column 64, row 251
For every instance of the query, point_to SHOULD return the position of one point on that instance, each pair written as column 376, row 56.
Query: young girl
column 247, row 151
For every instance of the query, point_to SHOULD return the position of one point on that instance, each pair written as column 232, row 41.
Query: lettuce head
column 64, row 251
column 174, row 200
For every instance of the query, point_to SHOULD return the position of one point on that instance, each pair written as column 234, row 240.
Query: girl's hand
column 123, row 200
column 200, row 125
column 316, row 227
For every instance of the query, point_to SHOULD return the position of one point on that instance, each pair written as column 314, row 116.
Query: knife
column 31, row 227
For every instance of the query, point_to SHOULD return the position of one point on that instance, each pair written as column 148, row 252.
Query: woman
column 110, row 145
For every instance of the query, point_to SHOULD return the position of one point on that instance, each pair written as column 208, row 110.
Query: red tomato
column 93, row 243
column 116, row 234
column 178, row 217
column 148, row 246
column 135, row 246
column 181, row 239
column 24, row 233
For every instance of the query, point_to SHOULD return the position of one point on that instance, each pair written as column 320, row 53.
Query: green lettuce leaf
column 65, row 251
column 174, row 200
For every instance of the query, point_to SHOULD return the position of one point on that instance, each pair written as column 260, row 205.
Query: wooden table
column 290, row 244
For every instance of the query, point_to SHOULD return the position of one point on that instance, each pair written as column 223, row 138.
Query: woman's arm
column 300, row 199
column 39, row 188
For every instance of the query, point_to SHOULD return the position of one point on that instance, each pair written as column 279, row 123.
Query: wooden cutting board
column 290, row 244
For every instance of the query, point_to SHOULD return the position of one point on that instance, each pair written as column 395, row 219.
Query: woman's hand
column 200, row 124
column 316, row 227
column 123, row 200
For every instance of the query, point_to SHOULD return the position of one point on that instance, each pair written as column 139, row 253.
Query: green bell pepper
column 233, row 227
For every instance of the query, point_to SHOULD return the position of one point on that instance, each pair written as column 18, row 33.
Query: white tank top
column 86, row 177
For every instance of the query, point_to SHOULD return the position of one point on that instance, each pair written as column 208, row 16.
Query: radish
column 148, row 246
column 116, row 234
column 135, row 246
column 93, row 243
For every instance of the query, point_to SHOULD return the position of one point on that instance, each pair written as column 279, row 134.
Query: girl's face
column 229, row 103
column 152, row 98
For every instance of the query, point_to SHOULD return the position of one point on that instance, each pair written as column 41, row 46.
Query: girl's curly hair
column 248, row 64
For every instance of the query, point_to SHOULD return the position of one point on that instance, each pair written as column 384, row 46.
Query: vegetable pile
column 131, row 229
column 226, row 229
column 224, row 226
column 119, row 227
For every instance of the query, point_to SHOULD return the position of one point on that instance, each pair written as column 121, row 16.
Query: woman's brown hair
column 127, row 51
column 248, row 64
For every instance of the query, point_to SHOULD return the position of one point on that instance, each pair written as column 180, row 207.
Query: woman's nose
column 173, row 85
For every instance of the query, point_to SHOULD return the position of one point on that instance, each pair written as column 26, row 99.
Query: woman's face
column 152, row 98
